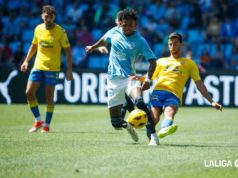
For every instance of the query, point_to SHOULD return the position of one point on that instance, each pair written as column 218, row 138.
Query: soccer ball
column 137, row 118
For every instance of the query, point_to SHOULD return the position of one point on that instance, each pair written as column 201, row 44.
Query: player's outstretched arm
column 31, row 52
column 69, row 73
column 203, row 90
column 146, row 84
column 95, row 46
column 102, row 50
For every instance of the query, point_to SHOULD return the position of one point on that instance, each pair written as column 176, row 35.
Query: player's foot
column 132, row 132
column 45, row 129
column 154, row 141
column 36, row 126
column 167, row 131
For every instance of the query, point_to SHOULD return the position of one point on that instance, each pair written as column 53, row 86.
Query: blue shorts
column 48, row 77
column 162, row 98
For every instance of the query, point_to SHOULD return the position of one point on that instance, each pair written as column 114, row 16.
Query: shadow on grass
column 198, row 145
column 83, row 132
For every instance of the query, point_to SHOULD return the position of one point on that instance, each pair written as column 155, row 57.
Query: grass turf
column 82, row 143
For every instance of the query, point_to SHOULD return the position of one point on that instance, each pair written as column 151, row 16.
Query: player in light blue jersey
column 126, row 46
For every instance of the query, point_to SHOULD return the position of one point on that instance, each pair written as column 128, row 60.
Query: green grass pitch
column 83, row 144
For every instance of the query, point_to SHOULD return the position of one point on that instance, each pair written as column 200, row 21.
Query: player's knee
column 29, row 93
column 140, row 103
column 117, row 122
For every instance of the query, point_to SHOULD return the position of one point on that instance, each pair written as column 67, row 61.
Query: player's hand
column 136, row 77
column 103, row 50
column 217, row 106
column 89, row 49
column 145, row 86
column 69, row 75
column 24, row 66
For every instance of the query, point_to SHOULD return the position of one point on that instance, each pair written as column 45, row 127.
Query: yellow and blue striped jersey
column 173, row 74
column 49, row 44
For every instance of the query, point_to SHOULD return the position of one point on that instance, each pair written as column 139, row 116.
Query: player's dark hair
column 129, row 13
column 48, row 9
column 176, row 35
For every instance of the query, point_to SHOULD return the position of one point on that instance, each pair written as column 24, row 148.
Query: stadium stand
column 210, row 25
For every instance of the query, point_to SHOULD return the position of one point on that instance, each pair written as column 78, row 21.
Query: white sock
column 153, row 136
column 38, row 118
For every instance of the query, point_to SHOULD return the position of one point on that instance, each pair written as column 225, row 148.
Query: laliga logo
column 4, row 86
column 220, row 163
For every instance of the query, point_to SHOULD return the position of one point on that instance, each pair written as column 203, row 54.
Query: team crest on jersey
column 46, row 44
column 132, row 46
column 52, row 38
column 173, row 68
column 182, row 62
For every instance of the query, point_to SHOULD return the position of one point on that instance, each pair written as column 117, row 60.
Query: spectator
column 205, row 59
column 18, row 56
column 213, row 29
column 74, row 12
column 79, row 56
column 189, row 55
column 82, row 19
column 6, row 55
column 228, row 30
column 217, row 61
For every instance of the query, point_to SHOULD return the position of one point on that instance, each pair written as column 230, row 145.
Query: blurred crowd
column 209, row 28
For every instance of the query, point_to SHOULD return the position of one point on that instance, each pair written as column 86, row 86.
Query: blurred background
column 209, row 28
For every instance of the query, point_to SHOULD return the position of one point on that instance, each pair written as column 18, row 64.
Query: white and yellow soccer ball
column 137, row 118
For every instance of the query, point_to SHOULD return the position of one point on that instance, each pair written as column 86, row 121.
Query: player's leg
column 129, row 106
column 118, row 122
column 51, row 79
column 33, row 84
column 134, row 90
column 116, row 98
column 167, row 126
column 49, row 91
column 171, row 106
column 116, row 119
column 156, row 113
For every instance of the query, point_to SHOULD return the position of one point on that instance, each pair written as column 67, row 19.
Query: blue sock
column 166, row 123
column 150, row 127
column 35, row 109
column 49, row 114
column 48, row 118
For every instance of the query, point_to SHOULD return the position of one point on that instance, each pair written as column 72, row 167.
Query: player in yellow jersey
column 172, row 74
column 49, row 38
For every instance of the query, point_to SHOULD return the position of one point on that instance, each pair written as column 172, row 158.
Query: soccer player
column 126, row 45
column 172, row 74
column 48, row 40
column 137, row 93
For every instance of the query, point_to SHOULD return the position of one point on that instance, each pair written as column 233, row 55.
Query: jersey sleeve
column 35, row 40
column 146, row 50
column 108, row 35
column 156, row 71
column 194, row 72
column 64, row 40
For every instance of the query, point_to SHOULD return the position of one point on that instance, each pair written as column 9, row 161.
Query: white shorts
column 117, row 88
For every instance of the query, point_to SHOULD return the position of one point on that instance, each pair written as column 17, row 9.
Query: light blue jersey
column 124, row 52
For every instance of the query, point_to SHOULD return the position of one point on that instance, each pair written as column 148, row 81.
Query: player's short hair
column 176, row 35
column 119, row 15
column 48, row 9
column 129, row 13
